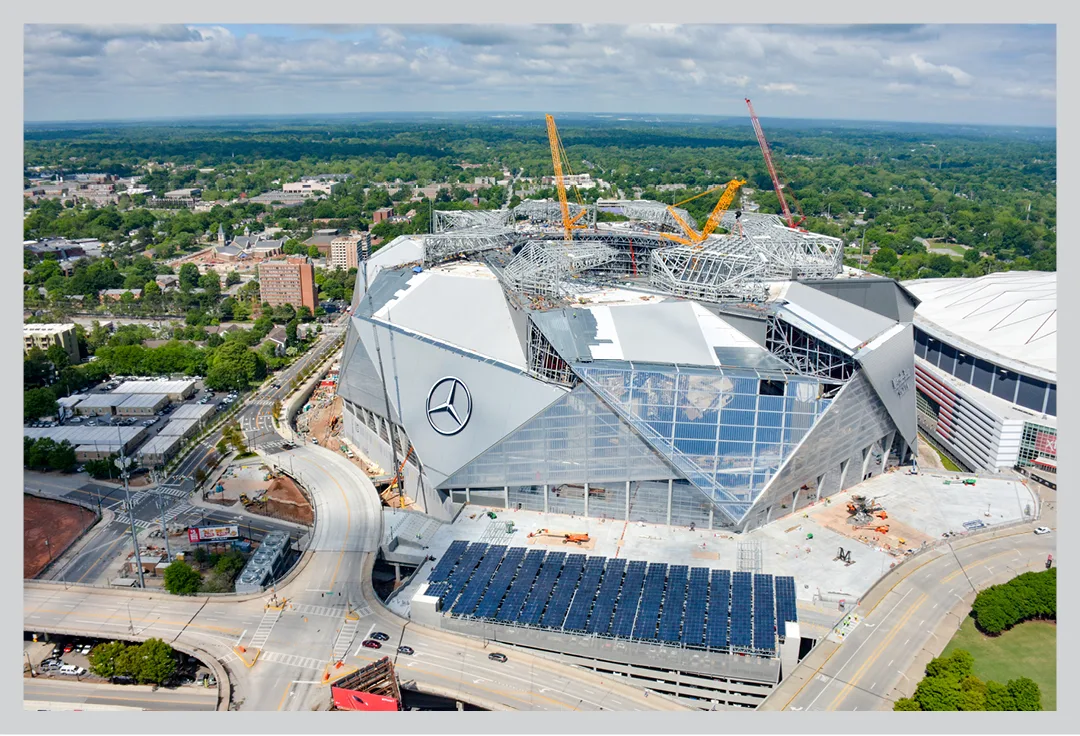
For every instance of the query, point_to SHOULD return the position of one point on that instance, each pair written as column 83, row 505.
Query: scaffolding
column 791, row 254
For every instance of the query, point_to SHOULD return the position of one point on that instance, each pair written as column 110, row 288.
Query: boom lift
column 572, row 537
column 692, row 236
column 788, row 217
column 558, row 156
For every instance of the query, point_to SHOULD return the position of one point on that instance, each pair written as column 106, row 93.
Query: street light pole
column 164, row 530
column 123, row 463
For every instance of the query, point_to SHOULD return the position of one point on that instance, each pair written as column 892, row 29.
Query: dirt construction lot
column 58, row 522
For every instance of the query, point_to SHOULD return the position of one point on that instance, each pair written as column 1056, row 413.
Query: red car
column 371, row 644
column 68, row 648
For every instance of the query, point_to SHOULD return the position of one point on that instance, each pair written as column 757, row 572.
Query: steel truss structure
column 545, row 267
column 806, row 353
column 549, row 211
column 790, row 253
column 465, row 241
column 729, row 271
column 546, row 362
column 448, row 220
column 650, row 212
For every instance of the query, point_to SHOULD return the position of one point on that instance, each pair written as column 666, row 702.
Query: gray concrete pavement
column 907, row 620
column 57, row 690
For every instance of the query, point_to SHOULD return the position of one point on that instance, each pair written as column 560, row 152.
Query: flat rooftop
column 919, row 507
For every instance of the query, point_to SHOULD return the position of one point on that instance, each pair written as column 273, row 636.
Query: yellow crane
column 692, row 236
column 558, row 156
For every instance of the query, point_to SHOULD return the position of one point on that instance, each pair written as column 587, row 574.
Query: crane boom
column 692, row 236
column 772, row 169
column 569, row 223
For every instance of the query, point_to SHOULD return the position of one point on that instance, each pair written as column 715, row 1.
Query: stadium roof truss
column 546, row 210
column 726, row 271
column 545, row 267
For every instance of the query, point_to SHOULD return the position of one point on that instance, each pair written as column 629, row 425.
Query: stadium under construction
column 633, row 368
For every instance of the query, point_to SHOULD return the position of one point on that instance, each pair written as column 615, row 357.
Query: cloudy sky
column 986, row 74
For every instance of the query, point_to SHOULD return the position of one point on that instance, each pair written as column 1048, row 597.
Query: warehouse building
column 141, row 405
column 100, row 405
column 92, row 443
column 986, row 369
column 159, row 450
column 200, row 412
column 176, row 390
column 180, row 428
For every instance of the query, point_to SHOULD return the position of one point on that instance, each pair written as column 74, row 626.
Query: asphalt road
column 875, row 663
column 68, row 690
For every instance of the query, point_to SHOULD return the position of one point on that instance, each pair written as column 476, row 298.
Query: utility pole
column 161, row 510
column 123, row 463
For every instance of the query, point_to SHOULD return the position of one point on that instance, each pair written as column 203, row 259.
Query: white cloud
column 828, row 71
column 784, row 87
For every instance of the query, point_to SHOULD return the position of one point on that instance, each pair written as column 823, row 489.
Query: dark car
column 380, row 636
column 372, row 644
column 497, row 657
column 405, row 650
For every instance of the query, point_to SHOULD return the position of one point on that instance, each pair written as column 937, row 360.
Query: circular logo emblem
column 449, row 406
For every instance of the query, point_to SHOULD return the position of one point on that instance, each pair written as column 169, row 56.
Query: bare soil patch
column 57, row 522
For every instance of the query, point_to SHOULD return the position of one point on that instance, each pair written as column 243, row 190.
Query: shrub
column 182, row 579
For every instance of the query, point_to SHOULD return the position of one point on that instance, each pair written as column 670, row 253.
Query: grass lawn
column 1026, row 650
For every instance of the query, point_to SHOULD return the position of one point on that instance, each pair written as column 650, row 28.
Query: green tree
column 189, row 276
column 100, row 469
column 103, row 658
column 222, row 447
column 313, row 251
column 303, row 313
column 62, row 457
column 38, row 402
column 181, row 578
column 58, row 357
column 232, row 278
column 998, row 697
column 906, row 704
column 883, row 260
column 1025, row 694
column 155, row 661
column 938, row 693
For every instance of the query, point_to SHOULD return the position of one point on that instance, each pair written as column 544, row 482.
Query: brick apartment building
column 291, row 281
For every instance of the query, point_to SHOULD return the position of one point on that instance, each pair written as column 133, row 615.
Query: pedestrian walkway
column 308, row 663
column 330, row 611
column 345, row 639
column 258, row 639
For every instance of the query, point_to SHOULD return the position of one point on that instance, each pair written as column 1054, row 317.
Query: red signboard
column 1046, row 443
column 355, row 700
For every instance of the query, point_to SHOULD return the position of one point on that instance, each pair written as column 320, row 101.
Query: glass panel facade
column 712, row 424
column 1005, row 384
column 577, row 439
column 1031, row 394
column 1036, row 442
column 984, row 375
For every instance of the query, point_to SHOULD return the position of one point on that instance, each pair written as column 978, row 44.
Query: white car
column 1043, row 530
column 70, row 669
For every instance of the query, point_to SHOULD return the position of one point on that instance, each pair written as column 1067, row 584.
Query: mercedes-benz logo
column 449, row 406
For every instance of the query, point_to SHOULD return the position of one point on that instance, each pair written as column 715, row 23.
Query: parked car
column 405, row 650
column 71, row 669
column 57, row 651
column 380, row 636
column 371, row 644
column 497, row 657
column 50, row 665
column 68, row 648
column 86, row 649
column 80, row 469
column 1043, row 530
column 123, row 680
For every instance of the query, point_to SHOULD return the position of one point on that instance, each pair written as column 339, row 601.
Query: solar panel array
column 672, row 605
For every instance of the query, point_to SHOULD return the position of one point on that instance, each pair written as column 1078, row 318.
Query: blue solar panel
column 697, row 597
column 442, row 569
column 652, row 594
column 462, row 572
column 537, row 598
column 481, row 577
column 673, row 605
column 742, row 603
column 785, row 603
column 564, row 590
column 510, row 609
column 764, row 613
column 600, row 618
column 492, row 597
column 584, row 594
column 720, row 601
column 622, row 622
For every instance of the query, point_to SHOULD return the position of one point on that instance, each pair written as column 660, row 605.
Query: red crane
column 772, row 172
